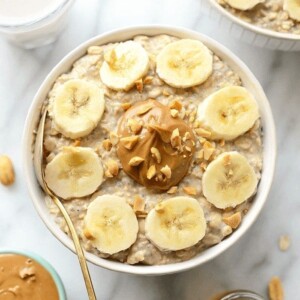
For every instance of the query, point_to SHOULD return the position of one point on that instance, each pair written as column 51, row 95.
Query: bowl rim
column 44, row 263
column 123, row 34
column 254, row 28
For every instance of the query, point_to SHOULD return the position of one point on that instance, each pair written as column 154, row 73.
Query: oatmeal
column 276, row 15
column 150, row 179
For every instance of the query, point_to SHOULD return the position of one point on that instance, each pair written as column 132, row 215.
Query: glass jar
column 34, row 26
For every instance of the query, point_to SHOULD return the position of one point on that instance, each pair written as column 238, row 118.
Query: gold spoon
column 38, row 165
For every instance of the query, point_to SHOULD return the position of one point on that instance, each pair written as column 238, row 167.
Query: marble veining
column 253, row 259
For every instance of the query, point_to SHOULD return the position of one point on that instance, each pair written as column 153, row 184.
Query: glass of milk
column 33, row 23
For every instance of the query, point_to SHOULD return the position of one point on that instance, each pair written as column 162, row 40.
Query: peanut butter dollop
column 155, row 148
column 22, row 278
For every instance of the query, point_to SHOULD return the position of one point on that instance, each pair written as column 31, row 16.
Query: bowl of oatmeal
column 272, row 24
column 160, row 143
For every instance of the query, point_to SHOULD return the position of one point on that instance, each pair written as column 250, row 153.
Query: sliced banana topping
column 74, row 172
column 229, row 112
column 176, row 223
column 111, row 224
column 184, row 63
column 243, row 4
column 229, row 180
column 77, row 108
column 124, row 65
column 293, row 8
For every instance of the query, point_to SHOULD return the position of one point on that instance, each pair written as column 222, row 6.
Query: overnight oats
column 277, row 15
column 154, row 147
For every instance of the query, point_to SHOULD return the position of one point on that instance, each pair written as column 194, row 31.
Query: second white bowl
column 247, row 32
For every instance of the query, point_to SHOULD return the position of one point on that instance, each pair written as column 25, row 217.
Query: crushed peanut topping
column 175, row 104
column 135, row 161
column 156, row 154
column 148, row 79
column 145, row 108
column 134, row 126
column 175, row 138
column 172, row 190
column 130, row 141
column 126, row 105
column 76, row 143
column 166, row 93
column 190, row 190
column 112, row 167
column 107, row 145
column 208, row 152
column 166, row 171
column 203, row 132
column 222, row 143
column 139, row 85
column 138, row 204
column 87, row 234
column 234, row 220
column 114, row 138
column 151, row 172
column 174, row 113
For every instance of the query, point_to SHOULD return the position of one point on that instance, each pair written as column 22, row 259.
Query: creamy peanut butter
column 22, row 278
column 155, row 148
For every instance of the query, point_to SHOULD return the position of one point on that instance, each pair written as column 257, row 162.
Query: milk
column 32, row 23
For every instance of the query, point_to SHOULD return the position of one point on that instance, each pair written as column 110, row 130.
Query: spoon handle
column 78, row 248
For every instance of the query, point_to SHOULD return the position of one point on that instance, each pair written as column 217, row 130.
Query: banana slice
column 293, row 8
column 243, row 4
column 176, row 223
column 124, row 65
column 111, row 224
column 229, row 180
column 74, row 172
column 78, row 108
column 229, row 112
column 184, row 63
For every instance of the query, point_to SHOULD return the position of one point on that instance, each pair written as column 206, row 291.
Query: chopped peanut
column 130, row 141
column 112, row 167
column 276, row 289
column 156, row 154
column 138, row 204
column 134, row 126
column 175, row 104
column 126, row 105
column 190, row 190
column 151, row 172
column 234, row 220
column 172, row 190
column 166, row 170
column 107, row 144
column 139, row 85
column 7, row 174
column 135, row 161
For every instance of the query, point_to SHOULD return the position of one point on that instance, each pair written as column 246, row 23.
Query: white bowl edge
column 253, row 34
column 269, row 151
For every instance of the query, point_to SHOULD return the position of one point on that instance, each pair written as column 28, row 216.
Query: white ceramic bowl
column 247, row 32
column 249, row 81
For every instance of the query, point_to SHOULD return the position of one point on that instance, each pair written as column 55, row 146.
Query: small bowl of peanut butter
column 26, row 275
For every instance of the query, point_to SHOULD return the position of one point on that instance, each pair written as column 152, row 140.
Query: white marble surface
column 250, row 262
